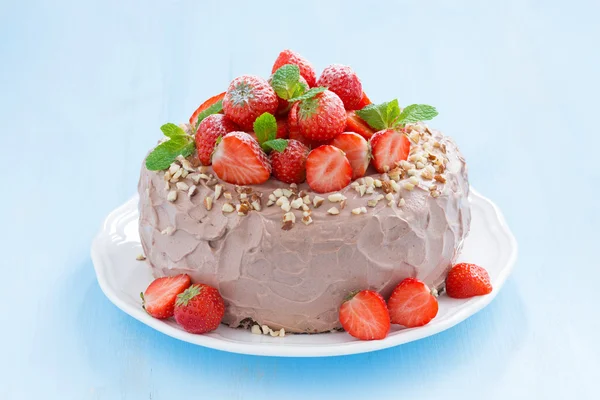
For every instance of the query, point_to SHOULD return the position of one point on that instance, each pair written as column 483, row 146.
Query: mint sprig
column 214, row 109
column 388, row 115
column 178, row 144
column 286, row 82
column 308, row 94
column 265, row 128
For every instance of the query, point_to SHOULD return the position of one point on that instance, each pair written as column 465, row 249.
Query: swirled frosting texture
column 297, row 279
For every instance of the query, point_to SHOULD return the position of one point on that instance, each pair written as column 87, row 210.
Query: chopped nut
column 343, row 204
column 281, row 332
column 297, row 203
column 336, row 197
column 412, row 172
column 389, row 197
column 256, row 205
column 372, row 203
column 361, row 181
column 293, row 185
column 435, row 193
column 182, row 186
column 415, row 137
column 272, row 197
column 363, row 210
column 354, row 185
column 286, row 207
column 414, row 180
column 401, row 202
column 270, row 203
column 184, row 173
column 274, row 333
column 440, row 178
column 289, row 219
column 390, row 203
column 203, row 169
column 243, row 189
column 169, row 230
column 433, row 187
column 356, row 211
column 187, row 165
column 306, row 213
column 167, row 176
column 317, row 201
column 333, row 211
column 369, row 181
column 395, row 174
column 174, row 168
column 192, row 191
column 140, row 257
column 307, row 220
column 211, row 182
column 305, row 207
column 195, row 178
column 208, row 203
column 395, row 186
column 426, row 174
column 408, row 186
column 256, row 329
column 387, row 186
column 278, row 192
column 362, row 189
column 167, row 186
column 243, row 196
column 306, row 199
column 172, row 196
column 218, row 191
column 378, row 183
column 420, row 165
column 265, row 329
column 431, row 157
column 204, row 177
column 176, row 176
column 243, row 209
column 227, row 208
column 228, row 196
column 281, row 201
column 379, row 197
column 287, row 192
column 405, row 165
column 370, row 190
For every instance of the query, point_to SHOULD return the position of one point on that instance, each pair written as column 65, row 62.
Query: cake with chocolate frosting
column 254, row 198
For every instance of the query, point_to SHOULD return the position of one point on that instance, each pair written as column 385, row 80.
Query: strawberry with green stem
column 199, row 309
column 248, row 97
column 389, row 144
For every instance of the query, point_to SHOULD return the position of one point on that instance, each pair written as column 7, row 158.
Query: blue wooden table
column 84, row 87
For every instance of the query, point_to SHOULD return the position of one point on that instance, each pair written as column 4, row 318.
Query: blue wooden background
column 84, row 86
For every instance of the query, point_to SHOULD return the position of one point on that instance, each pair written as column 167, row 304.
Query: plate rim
column 468, row 309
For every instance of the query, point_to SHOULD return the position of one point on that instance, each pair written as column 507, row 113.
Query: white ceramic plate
column 121, row 277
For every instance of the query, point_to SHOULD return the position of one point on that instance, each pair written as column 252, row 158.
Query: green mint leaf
column 165, row 153
column 416, row 113
column 214, row 109
column 265, row 128
column 276, row 144
column 308, row 94
column 171, row 130
column 301, row 88
column 380, row 116
column 285, row 81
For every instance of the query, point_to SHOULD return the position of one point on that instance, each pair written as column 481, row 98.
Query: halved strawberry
column 327, row 169
column 365, row 316
column 160, row 296
column 389, row 146
column 238, row 159
column 357, row 151
column 209, row 130
column 467, row 280
column 204, row 106
column 412, row 304
column 364, row 101
column 355, row 124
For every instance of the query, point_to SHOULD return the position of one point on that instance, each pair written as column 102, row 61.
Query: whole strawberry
column 289, row 166
column 209, row 130
column 290, row 57
column 248, row 97
column 238, row 159
column 467, row 280
column 321, row 117
column 344, row 82
column 199, row 309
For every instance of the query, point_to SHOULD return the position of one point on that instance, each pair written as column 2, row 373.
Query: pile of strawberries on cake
column 294, row 127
